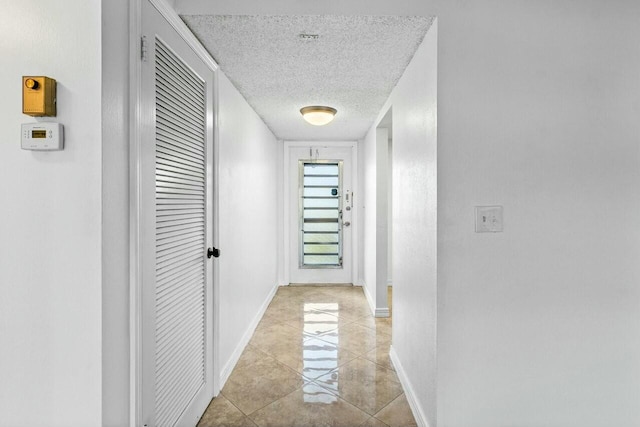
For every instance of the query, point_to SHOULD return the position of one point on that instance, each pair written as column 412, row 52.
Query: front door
column 320, row 212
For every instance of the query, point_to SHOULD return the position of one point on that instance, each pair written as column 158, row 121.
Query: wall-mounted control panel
column 43, row 136
column 38, row 96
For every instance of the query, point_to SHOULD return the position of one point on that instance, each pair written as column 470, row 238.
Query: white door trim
column 136, row 114
column 288, row 145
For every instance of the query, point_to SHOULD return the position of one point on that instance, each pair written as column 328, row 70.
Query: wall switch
column 489, row 219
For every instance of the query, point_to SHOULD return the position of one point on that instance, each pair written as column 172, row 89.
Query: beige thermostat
column 42, row 136
column 38, row 96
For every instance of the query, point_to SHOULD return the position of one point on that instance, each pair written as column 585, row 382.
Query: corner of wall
column 115, row 214
column 414, row 403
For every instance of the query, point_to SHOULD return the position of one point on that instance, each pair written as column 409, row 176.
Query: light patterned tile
column 356, row 338
column 373, row 422
column 282, row 342
column 284, row 312
column 379, row 324
column 320, row 357
column 249, row 356
column 348, row 310
column 397, row 413
column 318, row 332
column 315, row 322
column 268, row 320
column 254, row 386
column 222, row 413
column 364, row 384
column 380, row 355
column 309, row 406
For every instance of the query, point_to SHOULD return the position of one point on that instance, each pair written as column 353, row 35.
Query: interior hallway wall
column 538, row 107
column 248, row 155
column 51, row 221
column 115, row 213
column 414, row 222
column 375, row 210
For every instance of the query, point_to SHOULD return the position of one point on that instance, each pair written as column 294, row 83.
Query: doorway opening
column 319, row 215
column 384, row 215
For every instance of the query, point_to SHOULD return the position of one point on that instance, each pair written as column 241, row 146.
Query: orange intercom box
column 38, row 96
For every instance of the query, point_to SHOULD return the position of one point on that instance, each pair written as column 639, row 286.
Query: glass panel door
column 320, row 187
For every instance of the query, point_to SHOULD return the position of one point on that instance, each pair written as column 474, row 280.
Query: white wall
column 375, row 237
column 248, row 205
column 50, row 221
column 389, row 207
column 538, row 111
column 115, row 213
column 281, row 226
column 414, row 240
column 367, row 207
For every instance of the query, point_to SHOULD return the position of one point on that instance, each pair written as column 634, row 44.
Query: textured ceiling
column 352, row 65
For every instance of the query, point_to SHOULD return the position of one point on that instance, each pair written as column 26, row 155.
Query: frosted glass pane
column 321, row 180
column 320, row 192
column 321, row 213
column 320, row 249
column 321, row 260
column 319, row 169
column 321, row 226
column 321, row 203
column 321, row 238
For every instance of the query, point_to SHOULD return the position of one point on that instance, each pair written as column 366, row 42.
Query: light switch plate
column 489, row 219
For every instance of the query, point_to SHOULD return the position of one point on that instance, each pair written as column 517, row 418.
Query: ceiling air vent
column 304, row 36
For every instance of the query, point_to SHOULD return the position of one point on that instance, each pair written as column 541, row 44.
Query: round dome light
column 318, row 115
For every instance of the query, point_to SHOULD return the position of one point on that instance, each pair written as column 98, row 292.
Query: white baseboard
column 235, row 356
column 418, row 413
column 372, row 305
column 381, row 312
column 377, row 312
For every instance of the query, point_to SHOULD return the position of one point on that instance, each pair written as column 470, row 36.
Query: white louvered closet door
column 177, row 283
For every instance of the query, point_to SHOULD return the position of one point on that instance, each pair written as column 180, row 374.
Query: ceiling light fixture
column 318, row 115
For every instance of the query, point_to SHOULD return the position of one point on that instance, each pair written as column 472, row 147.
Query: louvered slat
column 175, row 308
column 184, row 156
column 165, row 227
column 168, row 280
column 180, row 231
column 163, row 174
column 177, row 266
column 174, row 214
column 167, row 143
column 169, row 135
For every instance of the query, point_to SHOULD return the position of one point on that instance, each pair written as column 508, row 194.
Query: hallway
column 317, row 358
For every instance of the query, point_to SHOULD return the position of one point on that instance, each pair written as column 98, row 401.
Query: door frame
column 136, row 116
column 355, row 255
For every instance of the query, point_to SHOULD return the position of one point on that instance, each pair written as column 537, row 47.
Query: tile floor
column 317, row 358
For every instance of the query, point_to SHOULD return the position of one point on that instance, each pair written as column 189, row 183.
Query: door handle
column 346, row 223
column 213, row 252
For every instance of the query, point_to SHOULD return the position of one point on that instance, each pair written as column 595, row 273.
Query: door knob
column 346, row 223
column 213, row 252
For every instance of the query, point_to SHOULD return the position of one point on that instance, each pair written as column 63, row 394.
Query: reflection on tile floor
column 317, row 358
